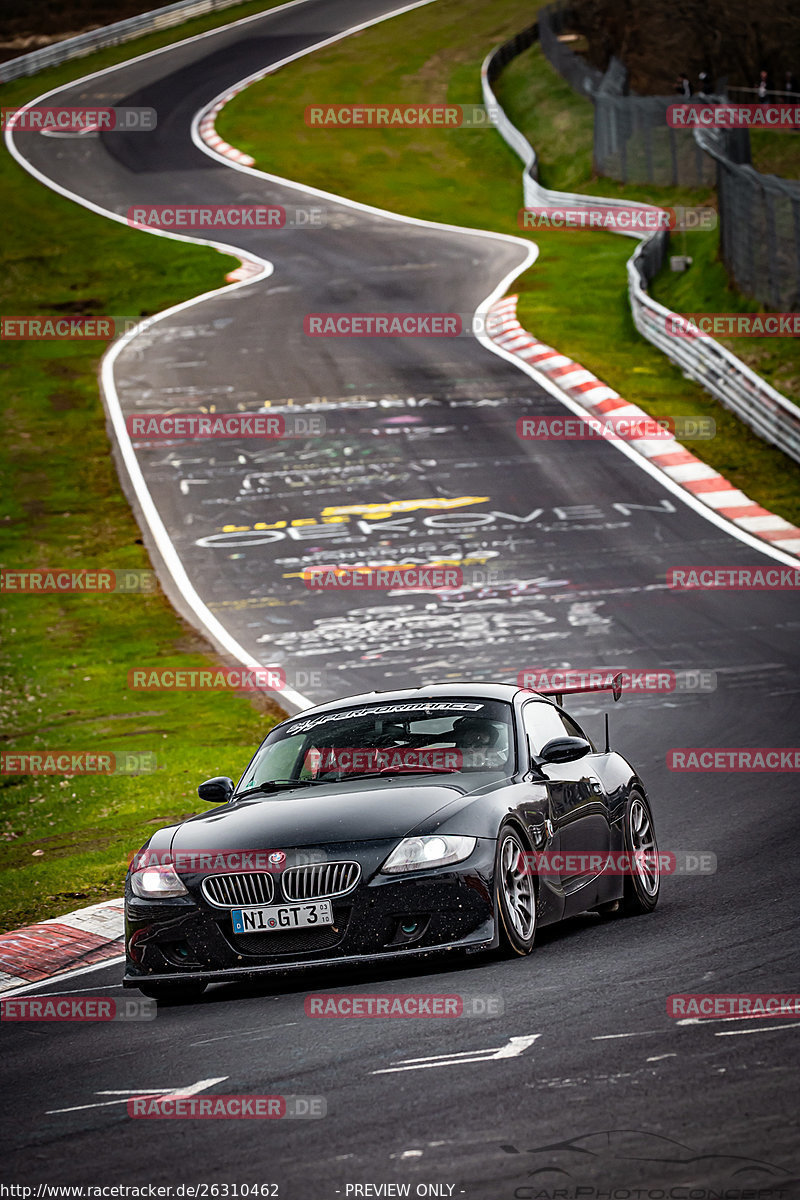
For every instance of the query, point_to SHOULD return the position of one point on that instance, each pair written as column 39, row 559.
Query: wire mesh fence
column 579, row 74
column 759, row 219
column 735, row 385
column 759, row 214
column 632, row 141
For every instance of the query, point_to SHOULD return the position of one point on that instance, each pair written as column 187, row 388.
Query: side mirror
column 564, row 750
column 217, row 790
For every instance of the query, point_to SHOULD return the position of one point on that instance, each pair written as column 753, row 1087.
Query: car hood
column 367, row 811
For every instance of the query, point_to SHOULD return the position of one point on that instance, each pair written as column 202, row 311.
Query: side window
column 574, row 730
column 542, row 723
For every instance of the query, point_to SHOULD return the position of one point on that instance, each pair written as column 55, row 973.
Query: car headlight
column 436, row 850
column 156, row 882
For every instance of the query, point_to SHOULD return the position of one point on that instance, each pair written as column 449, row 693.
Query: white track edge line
column 655, row 472
column 157, row 528
column 160, row 534
column 670, row 485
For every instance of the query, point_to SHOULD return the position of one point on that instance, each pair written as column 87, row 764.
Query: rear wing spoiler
column 609, row 683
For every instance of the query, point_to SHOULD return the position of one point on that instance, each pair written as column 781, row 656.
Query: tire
column 643, row 884
column 174, row 993
column 515, row 895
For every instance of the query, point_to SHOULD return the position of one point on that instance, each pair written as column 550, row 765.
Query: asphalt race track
column 602, row 1089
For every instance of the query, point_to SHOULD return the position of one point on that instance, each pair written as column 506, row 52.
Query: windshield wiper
column 388, row 772
column 273, row 785
column 270, row 786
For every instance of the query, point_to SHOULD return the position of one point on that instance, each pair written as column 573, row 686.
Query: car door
column 577, row 798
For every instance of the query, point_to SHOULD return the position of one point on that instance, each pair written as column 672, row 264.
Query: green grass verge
column 64, row 659
column 776, row 152
column 575, row 296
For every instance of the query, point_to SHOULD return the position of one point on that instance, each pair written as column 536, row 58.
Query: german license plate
column 282, row 916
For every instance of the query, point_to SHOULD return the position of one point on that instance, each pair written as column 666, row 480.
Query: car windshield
column 416, row 737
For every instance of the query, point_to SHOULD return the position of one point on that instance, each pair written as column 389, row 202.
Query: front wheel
column 643, row 884
column 515, row 895
column 175, row 993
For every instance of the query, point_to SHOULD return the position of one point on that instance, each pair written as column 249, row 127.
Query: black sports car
column 387, row 826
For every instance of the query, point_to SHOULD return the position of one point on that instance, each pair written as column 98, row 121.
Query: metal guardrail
column 750, row 95
column 533, row 193
column 492, row 66
column 771, row 415
column 108, row 35
column 764, row 409
column 768, row 413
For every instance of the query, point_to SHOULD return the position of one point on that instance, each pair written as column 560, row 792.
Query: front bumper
column 186, row 938
column 232, row 974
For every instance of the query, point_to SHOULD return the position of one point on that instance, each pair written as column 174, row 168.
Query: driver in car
column 475, row 738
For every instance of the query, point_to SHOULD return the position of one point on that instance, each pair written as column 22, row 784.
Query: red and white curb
column 211, row 138
column 78, row 939
column 666, row 453
column 249, row 268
